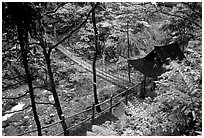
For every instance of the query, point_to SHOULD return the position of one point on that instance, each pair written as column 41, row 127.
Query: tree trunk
column 128, row 54
column 53, row 90
column 23, row 38
column 98, row 109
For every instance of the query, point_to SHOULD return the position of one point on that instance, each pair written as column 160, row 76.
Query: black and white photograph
column 101, row 68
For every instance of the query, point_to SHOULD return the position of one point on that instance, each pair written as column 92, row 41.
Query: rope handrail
column 101, row 103
column 84, row 112
column 98, row 114
column 125, row 91
column 103, row 75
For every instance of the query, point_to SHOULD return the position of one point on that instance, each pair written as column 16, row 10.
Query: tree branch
column 34, row 43
column 44, row 87
column 181, row 18
column 50, row 49
column 61, row 5
column 45, row 103
column 16, row 97
column 199, row 14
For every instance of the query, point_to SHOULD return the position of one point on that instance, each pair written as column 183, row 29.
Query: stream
column 17, row 107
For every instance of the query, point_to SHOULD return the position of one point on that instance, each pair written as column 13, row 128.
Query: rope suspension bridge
column 106, row 73
column 120, row 79
column 109, row 74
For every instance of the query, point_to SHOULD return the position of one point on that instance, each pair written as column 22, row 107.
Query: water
column 17, row 107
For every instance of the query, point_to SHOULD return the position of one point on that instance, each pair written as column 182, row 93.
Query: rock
column 11, row 131
column 5, row 124
column 52, row 115
column 51, row 98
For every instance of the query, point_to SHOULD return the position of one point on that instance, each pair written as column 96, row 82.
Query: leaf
column 195, row 91
column 194, row 115
column 199, row 132
column 183, row 109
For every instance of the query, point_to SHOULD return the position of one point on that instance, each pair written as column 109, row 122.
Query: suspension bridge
column 121, row 79
column 108, row 113
column 106, row 73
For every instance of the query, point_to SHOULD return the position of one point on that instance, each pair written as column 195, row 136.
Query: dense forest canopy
column 111, row 32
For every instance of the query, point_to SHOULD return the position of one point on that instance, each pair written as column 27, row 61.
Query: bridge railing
column 93, row 114
column 107, row 73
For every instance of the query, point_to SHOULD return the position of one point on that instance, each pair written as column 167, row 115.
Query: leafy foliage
column 177, row 108
column 184, row 22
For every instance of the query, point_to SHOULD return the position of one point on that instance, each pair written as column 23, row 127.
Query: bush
column 177, row 110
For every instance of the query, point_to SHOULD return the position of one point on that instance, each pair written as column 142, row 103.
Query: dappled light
column 101, row 68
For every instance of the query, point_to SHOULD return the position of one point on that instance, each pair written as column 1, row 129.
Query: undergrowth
column 177, row 110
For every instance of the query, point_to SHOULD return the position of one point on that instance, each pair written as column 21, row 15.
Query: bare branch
column 59, row 6
column 189, row 6
column 42, row 87
column 50, row 49
column 34, row 43
column 181, row 18
column 45, row 103
column 16, row 97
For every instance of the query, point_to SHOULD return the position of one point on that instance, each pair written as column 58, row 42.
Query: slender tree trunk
column 129, row 77
column 53, row 90
column 98, row 109
column 23, row 38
